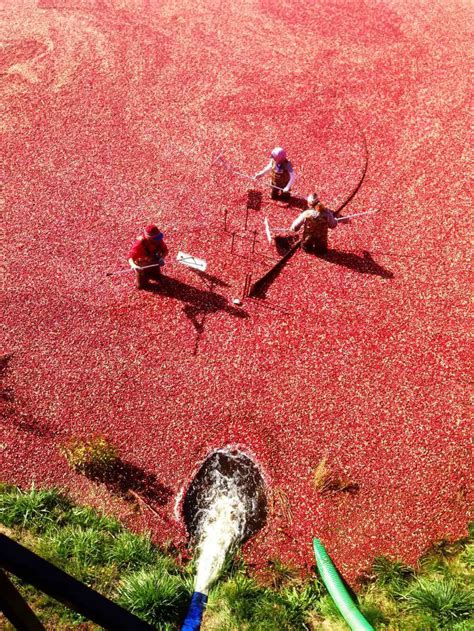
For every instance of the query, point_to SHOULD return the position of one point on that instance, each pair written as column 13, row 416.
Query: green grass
column 93, row 548
column 374, row 613
column 154, row 595
column 82, row 552
column 327, row 609
column 36, row 510
column 467, row 557
column 391, row 574
column 240, row 603
column 82, row 545
column 129, row 551
column 279, row 575
column 299, row 600
column 443, row 599
column 89, row 518
column 129, row 569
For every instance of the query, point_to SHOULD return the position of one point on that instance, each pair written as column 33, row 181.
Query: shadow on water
column 254, row 199
column 195, row 300
column 6, row 392
column 198, row 303
column 284, row 243
column 261, row 286
column 364, row 264
column 223, row 469
column 287, row 246
column 212, row 281
column 124, row 477
column 300, row 203
column 14, row 409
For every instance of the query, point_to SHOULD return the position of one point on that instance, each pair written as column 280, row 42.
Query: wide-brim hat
column 152, row 232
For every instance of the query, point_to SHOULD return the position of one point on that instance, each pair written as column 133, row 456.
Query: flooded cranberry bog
column 115, row 115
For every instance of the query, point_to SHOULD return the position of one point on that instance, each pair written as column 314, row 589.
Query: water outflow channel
column 224, row 506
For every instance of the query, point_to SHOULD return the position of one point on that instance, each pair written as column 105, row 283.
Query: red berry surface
column 113, row 115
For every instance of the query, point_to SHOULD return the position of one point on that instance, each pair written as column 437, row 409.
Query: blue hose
column 196, row 608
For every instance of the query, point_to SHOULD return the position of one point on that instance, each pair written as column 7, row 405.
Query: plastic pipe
column 196, row 608
column 337, row 590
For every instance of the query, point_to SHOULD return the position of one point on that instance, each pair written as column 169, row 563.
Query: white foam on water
column 221, row 529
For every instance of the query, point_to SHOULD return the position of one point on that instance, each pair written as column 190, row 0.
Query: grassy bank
column 149, row 582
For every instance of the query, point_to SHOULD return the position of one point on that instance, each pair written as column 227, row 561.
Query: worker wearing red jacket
column 147, row 255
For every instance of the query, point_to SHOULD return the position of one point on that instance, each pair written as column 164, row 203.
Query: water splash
column 224, row 506
column 222, row 529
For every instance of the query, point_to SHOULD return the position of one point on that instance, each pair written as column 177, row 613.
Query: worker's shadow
column 300, row 203
column 254, row 199
column 198, row 303
column 14, row 409
column 125, row 479
column 364, row 264
column 284, row 243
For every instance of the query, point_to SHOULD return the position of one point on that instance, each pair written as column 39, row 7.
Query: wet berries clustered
column 113, row 119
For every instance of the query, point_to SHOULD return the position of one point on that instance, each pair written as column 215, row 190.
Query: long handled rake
column 368, row 212
column 191, row 261
column 223, row 163
column 220, row 161
column 200, row 265
column 268, row 230
column 132, row 269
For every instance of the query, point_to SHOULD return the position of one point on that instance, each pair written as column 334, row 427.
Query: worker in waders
column 147, row 255
column 282, row 174
column 315, row 221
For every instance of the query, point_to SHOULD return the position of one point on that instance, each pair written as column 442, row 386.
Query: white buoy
column 237, row 301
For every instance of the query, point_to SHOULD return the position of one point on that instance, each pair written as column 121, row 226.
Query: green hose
column 336, row 588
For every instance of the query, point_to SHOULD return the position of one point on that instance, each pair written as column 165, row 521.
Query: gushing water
column 224, row 506
column 222, row 528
